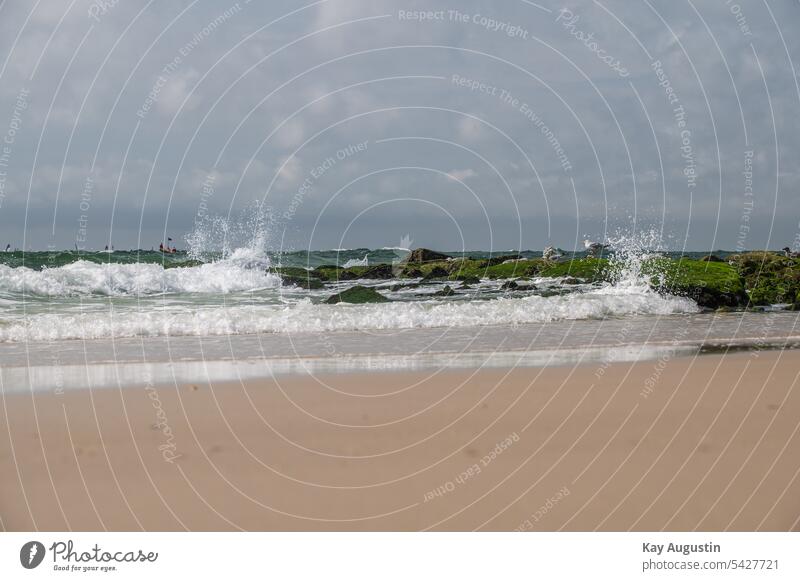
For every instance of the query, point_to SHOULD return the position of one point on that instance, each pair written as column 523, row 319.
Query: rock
column 500, row 260
column 396, row 287
column 436, row 272
column 711, row 258
column 570, row 280
column 445, row 292
column 327, row 272
column 348, row 274
column 379, row 271
column 358, row 295
column 710, row 298
column 412, row 272
column 468, row 279
column 425, row 255
column 308, row 282
column 510, row 285
column 298, row 277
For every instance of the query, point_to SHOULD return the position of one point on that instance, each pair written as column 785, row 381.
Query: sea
column 196, row 316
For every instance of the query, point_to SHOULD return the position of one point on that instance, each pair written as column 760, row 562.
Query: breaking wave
column 307, row 317
column 244, row 270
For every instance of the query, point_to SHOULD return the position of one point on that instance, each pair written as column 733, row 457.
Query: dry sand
column 714, row 446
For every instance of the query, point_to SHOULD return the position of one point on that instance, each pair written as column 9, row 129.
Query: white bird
column 594, row 248
column 551, row 253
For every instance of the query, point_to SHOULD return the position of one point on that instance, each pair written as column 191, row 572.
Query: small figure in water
column 8, row 248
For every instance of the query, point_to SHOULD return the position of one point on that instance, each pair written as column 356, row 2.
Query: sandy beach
column 698, row 443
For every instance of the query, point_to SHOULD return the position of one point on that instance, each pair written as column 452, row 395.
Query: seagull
column 551, row 253
column 593, row 248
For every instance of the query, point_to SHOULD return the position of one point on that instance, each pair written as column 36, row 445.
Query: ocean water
column 103, row 295
column 72, row 319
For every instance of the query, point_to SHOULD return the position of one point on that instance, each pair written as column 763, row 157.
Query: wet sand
column 699, row 443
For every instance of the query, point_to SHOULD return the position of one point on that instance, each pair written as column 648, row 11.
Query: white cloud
column 461, row 174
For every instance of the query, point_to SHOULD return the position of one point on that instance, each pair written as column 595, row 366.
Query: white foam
column 356, row 262
column 244, row 271
column 305, row 317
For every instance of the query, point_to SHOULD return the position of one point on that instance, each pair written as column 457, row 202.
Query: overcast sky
column 351, row 123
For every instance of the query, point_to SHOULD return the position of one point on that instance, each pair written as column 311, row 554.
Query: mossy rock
column 412, row 272
column 436, row 272
column 510, row 270
column 588, row 269
column 327, row 272
column 358, row 295
column 769, row 278
column 494, row 260
column 709, row 284
column 293, row 271
column 377, row 272
column 302, row 282
column 420, row 255
column 299, row 277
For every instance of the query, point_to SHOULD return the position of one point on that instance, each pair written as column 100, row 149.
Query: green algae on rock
column 357, row 295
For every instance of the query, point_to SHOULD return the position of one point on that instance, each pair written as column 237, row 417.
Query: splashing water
column 357, row 262
column 243, row 238
column 222, row 295
column 633, row 261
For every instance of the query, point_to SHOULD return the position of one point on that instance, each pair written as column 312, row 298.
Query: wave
column 244, row 270
column 307, row 317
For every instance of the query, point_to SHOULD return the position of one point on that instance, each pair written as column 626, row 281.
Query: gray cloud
column 131, row 107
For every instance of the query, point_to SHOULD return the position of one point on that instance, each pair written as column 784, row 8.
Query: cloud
column 461, row 174
column 87, row 80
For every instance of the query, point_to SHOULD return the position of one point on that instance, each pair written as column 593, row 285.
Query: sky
column 451, row 125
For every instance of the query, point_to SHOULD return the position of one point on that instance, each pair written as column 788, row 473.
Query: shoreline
column 68, row 364
column 713, row 445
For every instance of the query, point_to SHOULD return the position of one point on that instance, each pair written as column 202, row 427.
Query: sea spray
column 219, row 237
column 635, row 260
